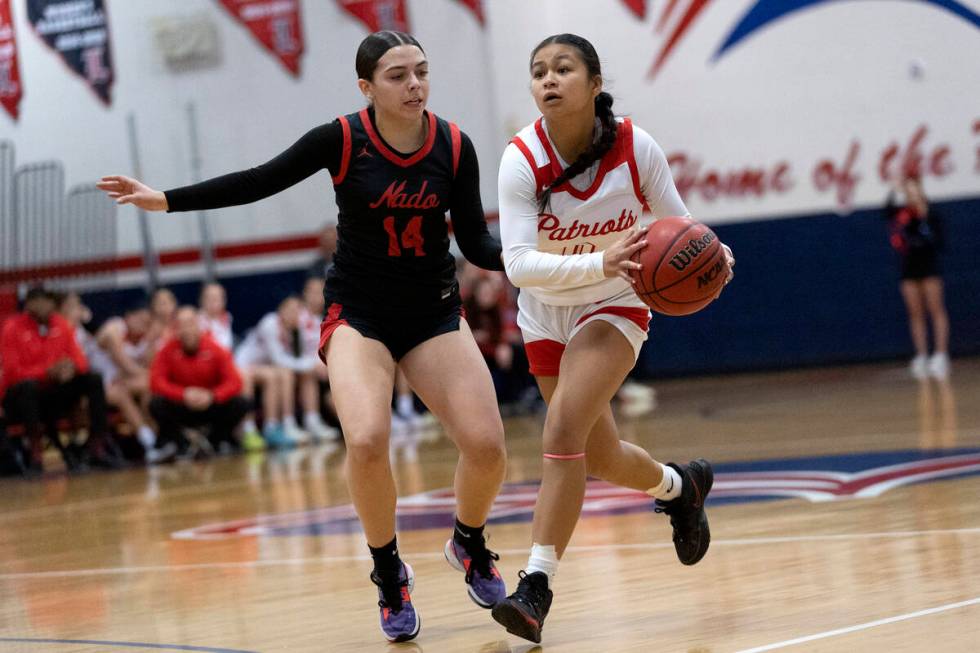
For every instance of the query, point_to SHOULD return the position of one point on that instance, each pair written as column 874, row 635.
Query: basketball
column 684, row 267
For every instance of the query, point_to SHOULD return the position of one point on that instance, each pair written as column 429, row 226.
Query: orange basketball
column 684, row 267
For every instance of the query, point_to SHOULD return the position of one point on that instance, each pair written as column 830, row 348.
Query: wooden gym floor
column 846, row 517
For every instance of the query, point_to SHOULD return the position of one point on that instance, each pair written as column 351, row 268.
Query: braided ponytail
column 603, row 111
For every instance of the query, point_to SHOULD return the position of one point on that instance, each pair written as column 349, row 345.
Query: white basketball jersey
column 584, row 217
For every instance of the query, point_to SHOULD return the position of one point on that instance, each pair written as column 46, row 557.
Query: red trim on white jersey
column 392, row 156
column 345, row 157
column 638, row 316
column 617, row 154
column 544, row 357
column 631, row 160
column 540, row 174
column 457, row 141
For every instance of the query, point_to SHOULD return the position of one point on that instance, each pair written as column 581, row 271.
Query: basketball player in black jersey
column 392, row 300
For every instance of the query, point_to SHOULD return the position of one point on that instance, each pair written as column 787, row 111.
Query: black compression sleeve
column 319, row 148
column 466, row 211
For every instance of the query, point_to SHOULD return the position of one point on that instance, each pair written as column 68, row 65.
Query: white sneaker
column 918, row 368
column 399, row 428
column 631, row 390
column 939, row 366
column 321, row 431
column 295, row 434
column 163, row 454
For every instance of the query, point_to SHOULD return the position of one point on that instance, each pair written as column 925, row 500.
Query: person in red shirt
column 42, row 365
column 195, row 383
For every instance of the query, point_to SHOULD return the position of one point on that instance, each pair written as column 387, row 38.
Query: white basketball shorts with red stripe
column 548, row 329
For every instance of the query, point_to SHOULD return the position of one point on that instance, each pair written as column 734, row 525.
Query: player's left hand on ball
column 616, row 259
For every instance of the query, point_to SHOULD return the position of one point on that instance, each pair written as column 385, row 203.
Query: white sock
column 670, row 485
column 270, row 425
column 543, row 558
column 146, row 436
column 312, row 419
column 405, row 405
column 248, row 426
column 289, row 422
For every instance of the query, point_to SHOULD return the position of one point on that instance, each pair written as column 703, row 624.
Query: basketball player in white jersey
column 574, row 187
column 214, row 316
column 266, row 357
column 119, row 352
column 310, row 385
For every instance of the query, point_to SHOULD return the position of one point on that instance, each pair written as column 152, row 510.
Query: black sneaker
column 523, row 612
column 686, row 512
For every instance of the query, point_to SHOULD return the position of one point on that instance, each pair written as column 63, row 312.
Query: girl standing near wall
column 916, row 234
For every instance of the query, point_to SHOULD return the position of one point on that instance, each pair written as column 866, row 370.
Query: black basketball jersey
column 393, row 238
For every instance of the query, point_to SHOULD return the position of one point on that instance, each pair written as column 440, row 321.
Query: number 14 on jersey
column 411, row 237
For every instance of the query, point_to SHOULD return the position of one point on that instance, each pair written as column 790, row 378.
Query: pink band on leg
column 565, row 456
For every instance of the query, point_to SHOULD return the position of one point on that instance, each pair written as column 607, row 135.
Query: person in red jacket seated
column 42, row 365
column 195, row 384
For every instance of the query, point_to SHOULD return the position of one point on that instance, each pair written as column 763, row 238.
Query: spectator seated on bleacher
column 271, row 357
column 44, row 368
column 195, row 385
column 215, row 318
column 120, row 352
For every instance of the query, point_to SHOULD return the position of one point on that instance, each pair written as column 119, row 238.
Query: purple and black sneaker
column 399, row 621
column 484, row 584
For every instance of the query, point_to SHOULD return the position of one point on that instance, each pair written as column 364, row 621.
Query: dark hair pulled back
column 374, row 46
column 603, row 111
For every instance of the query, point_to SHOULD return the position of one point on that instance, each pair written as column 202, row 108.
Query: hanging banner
column 476, row 6
column 276, row 24
column 10, row 88
column 79, row 32
column 378, row 14
column 638, row 7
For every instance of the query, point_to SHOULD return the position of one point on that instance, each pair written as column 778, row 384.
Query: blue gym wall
column 817, row 289
column 812, row 290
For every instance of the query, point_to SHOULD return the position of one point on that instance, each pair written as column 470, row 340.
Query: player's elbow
column 518, row 275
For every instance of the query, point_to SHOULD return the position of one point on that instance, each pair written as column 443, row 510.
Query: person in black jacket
column 916, row 234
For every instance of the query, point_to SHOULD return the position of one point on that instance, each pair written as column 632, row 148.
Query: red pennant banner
column 638, row 7
column 276, row 24
column 378, row 14
column 476, row 6
column 10, row 88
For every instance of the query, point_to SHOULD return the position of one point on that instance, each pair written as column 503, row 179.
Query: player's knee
column 485, row 447
column 366, row 446
column 563, row 433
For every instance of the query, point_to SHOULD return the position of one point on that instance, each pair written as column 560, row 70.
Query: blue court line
column 165, row 647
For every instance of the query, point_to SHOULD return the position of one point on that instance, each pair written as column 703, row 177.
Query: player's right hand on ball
column 616, row 259
column 126, row 190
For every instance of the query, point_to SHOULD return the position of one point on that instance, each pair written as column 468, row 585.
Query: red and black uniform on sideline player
column 392, row 302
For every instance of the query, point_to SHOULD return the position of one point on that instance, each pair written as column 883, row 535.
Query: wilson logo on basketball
column 395, row 197
column 708, row 277
column 683, row 258
column 550, row 223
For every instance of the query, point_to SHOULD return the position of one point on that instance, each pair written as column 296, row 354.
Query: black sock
column 468, row 536
column 386, row 560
